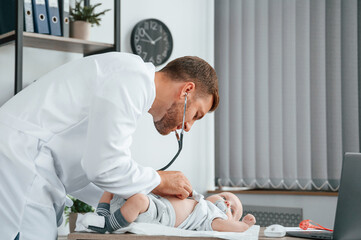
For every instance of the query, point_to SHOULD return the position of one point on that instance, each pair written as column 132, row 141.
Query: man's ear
column 189, row 88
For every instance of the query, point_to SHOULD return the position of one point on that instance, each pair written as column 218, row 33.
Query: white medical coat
column 70, row 132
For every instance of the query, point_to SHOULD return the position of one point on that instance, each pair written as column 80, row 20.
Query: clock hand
column 158, row 39
column 150, row 39
column 145, row 40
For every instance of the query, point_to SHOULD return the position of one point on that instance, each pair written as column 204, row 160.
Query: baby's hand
column 249, row 219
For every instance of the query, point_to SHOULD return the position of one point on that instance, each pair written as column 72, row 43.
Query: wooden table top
column 130, row 236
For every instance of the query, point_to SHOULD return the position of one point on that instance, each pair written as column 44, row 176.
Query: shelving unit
column 35, row 40
column 50, row 42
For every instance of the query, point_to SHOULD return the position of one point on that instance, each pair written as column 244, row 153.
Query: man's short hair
column 195, row 69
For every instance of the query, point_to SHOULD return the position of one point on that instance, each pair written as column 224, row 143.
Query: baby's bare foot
column 249, row 219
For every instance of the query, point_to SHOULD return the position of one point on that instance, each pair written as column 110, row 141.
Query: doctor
column 70, row 133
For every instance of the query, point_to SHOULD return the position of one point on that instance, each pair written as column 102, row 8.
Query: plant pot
column 72, row 221
column 80, row 29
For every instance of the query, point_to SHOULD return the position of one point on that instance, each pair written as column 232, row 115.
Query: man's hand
column 173, row 183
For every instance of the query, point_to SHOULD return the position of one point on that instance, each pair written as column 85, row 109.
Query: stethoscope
column 179, row 139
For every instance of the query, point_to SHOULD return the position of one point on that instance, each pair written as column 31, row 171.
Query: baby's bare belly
column 182, row 208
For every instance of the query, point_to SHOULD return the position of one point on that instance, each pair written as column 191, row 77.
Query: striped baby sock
column 113, row 222
column 103, row 209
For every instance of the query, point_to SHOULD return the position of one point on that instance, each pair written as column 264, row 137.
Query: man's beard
column 171, row 119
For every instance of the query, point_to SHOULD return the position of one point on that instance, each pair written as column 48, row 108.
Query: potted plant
column 82, row 18
column 71, row 213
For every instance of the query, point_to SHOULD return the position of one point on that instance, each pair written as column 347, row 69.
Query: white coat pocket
column 47, row 189
column 38, row 223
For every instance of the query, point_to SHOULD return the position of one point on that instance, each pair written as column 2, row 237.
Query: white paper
column 53, row 3
column 40, row 2
column 150, row 229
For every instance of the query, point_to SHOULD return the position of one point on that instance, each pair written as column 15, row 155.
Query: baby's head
column 234, row 205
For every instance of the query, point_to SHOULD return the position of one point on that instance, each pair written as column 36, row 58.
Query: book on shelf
column 34, row 15
column 52, row 8
column 28, row 16
column 40, row 17
column 64, row 9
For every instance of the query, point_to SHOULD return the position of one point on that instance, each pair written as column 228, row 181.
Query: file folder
column 28, row 13
column 52, row 8
column 64, row 9
column 40, row 17
column 7, row 16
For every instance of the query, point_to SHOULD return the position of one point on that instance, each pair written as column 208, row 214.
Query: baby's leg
column 134, row 206
column 104, row 204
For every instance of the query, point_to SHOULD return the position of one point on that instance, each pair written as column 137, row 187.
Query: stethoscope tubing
column 180, row 145
column 179, row 139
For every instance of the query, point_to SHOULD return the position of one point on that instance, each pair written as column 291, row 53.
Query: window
column 289, row 88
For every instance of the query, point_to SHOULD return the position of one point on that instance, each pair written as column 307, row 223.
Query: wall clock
column 152, row 41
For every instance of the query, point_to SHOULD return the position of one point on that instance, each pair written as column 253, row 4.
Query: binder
column 40, row 17
column 52, row 8
column 7, row 16
column 64, row 9
column 28, row 16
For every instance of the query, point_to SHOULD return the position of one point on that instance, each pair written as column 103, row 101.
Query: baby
column 219, row 212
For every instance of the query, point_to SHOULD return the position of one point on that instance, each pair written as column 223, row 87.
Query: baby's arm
column 249, row 219
column 231, row 225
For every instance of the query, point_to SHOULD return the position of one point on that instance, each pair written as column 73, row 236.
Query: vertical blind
column 288, row 81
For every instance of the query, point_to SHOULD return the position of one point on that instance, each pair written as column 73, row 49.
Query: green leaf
column 78, row 207
column 86, row 13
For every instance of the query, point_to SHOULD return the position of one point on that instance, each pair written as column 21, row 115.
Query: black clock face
column 152, row 41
